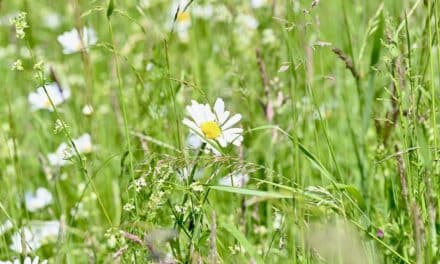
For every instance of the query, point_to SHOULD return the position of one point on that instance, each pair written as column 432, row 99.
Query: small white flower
column 71, row 40
column 41, row 199
column 5, row 227
column 60, row 157
column 217, row 125
column 268, row 37
column 247, row 21
column 149, row 66
column 52, row 20
column 203, row 11
column 27, row 260
column 84, row 144
column 128, row 207
column 234, row 180
column 36, row 234
column 139, row 184
column 193, row 141
column 63, row 153
column 17, row 66
column 259, row 3
column 39, row 100
column 278, row 220
column 244, row 30
column 87, row 110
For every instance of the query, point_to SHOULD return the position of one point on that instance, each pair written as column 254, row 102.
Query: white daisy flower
column 217, row 125
column 63, row 153
column 183, row 20
column 39, row 100
column 71, row 40
column 35, row 235
column 27, row 260
column 234, row 180
column 41, row 199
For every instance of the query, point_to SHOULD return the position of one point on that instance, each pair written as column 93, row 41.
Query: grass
column 339, row 104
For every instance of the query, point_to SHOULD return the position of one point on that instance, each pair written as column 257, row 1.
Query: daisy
column 71, row 40
column 63, row 153
column 39, row 99
column 35, row 235
column 217, row 125
column 27, row 260
column 41, row 199
column 235, row 180
column 182, row 22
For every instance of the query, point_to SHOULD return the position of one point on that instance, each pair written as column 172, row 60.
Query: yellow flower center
column 183, row 17
column 210, row 129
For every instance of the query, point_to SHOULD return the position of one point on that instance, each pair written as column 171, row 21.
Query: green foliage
column 338, row 104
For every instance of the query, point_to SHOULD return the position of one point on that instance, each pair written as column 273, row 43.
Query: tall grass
column 339, row 104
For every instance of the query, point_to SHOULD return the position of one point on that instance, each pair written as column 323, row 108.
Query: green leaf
column 250, row 192
column 110, row 8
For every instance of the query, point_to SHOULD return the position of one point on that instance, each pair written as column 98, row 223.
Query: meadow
column 207, row 131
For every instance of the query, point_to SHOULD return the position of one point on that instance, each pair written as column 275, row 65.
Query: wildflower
column 87, row 110
column 217, row 125
column 52, row 20
column 149, row 66
column 128, row 207
column 278, row 221
column 235, row 180
column 268, row 37
column 245, row 28
column 72, row 43
column 63, row 153
column 139, row 184
column 40, row 100
column 20, row 24
column 35, row 235
column 27, row 260
column 39, row 66
column 203, row 11
column 196, row 187
column 5, row 227
column 17, row 66
column 259, row 3
column 182, row 21
column 193, row 141
column 41, row 199
column 247, row 21
column 380, row 233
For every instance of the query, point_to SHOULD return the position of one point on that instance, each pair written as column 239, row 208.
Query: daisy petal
column 232, row 121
